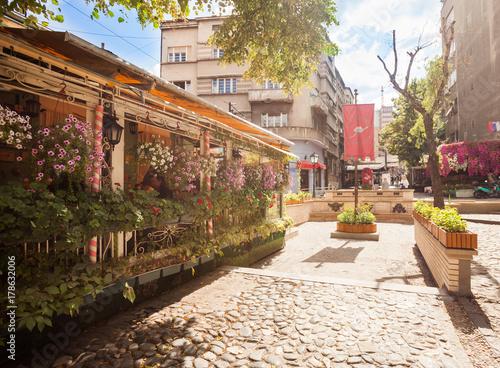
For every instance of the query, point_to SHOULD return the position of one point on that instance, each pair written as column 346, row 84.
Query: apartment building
column 473, row 93
column 311, row 120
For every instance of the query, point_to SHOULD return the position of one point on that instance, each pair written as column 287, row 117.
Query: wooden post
column 356, row 185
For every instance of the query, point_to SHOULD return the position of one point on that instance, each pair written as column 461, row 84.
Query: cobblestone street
column 320, row 302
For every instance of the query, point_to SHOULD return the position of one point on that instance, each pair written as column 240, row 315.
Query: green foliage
column 361, row 216
column 447, row 218
column 366, row 187
column 36, row 214
column 281, row 40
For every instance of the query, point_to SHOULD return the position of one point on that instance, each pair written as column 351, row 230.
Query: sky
column 365, row 31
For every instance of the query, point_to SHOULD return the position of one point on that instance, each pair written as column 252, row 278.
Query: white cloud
column 156, row 69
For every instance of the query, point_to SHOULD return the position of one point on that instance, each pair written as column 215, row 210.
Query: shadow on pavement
column 335, row 255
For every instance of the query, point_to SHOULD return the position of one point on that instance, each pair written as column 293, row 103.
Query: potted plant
column 306, row 196
column 360, row 220
column 292, row 198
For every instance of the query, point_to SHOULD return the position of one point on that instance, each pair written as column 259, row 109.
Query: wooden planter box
column 466, row 240
column 450, row 266
column 294, row 201
column 363, row 228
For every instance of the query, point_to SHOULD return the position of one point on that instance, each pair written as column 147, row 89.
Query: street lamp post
column 314, row 161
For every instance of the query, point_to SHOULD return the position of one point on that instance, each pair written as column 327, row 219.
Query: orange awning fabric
column 72, row 49
column 309, row 165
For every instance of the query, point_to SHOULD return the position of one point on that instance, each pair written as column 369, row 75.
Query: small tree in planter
column 360, row 220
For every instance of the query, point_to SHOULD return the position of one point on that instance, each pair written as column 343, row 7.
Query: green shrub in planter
column 366, row 187
column 361, row 216
column 424, row 208
column 449, row 220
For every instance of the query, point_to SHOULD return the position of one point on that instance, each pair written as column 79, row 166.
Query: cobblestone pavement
column 273, row 321
column 311, row 312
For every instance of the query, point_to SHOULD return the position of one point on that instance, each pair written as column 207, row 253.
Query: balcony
column 269, row 95
column 319, row 105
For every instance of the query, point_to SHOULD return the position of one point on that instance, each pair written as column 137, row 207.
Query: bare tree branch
column 446, row 71
column 427, row 114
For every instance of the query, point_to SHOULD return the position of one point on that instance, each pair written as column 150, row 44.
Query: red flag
column 358, row 130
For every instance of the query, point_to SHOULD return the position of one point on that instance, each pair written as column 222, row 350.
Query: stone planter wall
column 465, row 193
column 388, row 205
column 450, row 267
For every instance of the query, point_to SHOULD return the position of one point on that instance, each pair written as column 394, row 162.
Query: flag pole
column 356, row 160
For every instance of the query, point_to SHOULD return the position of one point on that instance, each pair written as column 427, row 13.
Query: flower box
column 463, row 240
column 357, row 228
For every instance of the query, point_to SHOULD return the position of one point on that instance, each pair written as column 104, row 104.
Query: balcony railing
column 269, row 95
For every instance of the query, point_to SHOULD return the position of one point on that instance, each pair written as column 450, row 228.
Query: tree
column 281, row 40
column 404, row 136
column 428, row 105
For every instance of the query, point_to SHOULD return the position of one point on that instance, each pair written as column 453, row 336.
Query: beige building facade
column 312, row 120
column 473, row 91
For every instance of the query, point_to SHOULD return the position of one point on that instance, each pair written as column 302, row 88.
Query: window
column 185, row 85
column 452, row 79
column 272, row 85
column 215, row 27
column 274, row 120
column 217, row 53
column 224, row 85
column 177, row 56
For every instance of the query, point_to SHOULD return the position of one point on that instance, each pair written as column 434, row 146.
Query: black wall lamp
column 132, row 126
column 111, row 130
column 32, row 108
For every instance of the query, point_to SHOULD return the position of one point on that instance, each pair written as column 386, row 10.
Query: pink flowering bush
column 186, row 168
column 479, row 158
column 68, row 149
column 268, row 177
column 230, row 176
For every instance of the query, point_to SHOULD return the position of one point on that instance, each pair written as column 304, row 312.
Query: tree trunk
column 437, row 188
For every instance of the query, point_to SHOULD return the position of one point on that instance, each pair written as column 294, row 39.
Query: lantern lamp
column 33, row 108
column 111, row 130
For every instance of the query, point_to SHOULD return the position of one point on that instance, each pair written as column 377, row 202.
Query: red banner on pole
column 358, row 131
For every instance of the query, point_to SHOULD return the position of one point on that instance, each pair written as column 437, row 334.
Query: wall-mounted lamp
column 112, row 130
column 132, row 126
column 33, row 108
